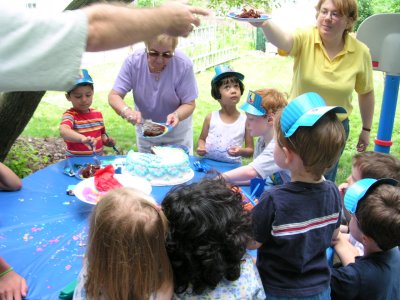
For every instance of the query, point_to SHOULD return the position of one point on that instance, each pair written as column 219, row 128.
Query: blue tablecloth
column 43, row 231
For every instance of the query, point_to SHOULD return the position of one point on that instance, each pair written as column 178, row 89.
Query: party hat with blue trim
column 84, row 78
column 305, row 110
column 224, row 71
column 253, row 105
column 359, row 189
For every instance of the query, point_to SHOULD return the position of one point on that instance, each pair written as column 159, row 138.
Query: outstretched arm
column 68, row 134
column 9, row 181
column 241, row 175
column 276, row 36
column 116, row 26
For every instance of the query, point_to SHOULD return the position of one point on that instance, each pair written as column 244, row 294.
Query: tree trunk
column 17, row 108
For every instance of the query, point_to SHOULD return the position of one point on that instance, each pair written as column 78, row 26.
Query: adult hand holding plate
column 152, row 129
column 250, row 16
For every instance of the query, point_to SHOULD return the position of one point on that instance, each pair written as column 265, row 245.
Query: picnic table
column 43, row 230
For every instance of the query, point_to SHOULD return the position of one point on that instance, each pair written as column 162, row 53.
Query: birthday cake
column 167, row 166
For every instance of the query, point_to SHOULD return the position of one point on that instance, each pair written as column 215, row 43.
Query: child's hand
column 201, row 151
column 12, row 284
column 109, row 142
column 343, row 188
column 344, row 229
column 234, row 150
column 90, row 141
column 340, row 239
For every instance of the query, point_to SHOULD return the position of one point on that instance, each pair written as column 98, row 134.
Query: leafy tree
column 385, row 6
column 364, row 11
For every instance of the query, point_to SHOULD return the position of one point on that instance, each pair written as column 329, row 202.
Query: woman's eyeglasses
column 154, row 53
column 334, row 15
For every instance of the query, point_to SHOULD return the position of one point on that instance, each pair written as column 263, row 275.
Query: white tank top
column 221, row 136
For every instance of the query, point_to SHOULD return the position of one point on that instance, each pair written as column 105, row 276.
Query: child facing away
column 294, row 223
column 206, row 244
column 82, row 127
column 126, row 256
column 375, row 222
column 260, row 107
column 367, row 164
column 224, row 131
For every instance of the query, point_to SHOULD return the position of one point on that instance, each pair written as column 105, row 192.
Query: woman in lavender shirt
column 164, row 89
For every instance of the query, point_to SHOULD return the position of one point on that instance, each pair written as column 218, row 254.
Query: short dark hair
column 378, row 215
column 319, row 146
column 215, row 85
column 209, row 230
column 377, row 165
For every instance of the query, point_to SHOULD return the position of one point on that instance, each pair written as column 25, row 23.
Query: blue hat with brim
column 84, row 78
column 222, row 71
column 359, row 189
column 253, row 105
column 305, row 110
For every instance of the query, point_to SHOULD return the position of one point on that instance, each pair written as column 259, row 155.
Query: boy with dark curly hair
column 294, row 222
column 374, row 206
column 206, row 244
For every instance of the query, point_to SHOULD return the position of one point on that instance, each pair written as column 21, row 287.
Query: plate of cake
column 250, row 15
column 87, row 171
column 86, row 190
column 165, row 166
column 152, row 129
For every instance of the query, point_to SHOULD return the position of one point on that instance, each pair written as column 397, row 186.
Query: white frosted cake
column 168, row 166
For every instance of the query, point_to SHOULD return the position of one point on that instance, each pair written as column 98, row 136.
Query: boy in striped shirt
column 294, row 223
column 82, row 127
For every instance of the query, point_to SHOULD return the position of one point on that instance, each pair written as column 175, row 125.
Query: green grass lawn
column 260, row 71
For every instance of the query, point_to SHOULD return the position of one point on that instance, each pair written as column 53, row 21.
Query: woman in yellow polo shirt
column 331, row 62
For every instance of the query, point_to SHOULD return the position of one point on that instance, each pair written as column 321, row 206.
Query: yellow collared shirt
column 334, row 79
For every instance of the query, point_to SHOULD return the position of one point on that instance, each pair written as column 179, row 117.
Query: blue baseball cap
column 253, row 105
column 359, row 189
column 84, row 78
column 224, row 71
column 305, row 110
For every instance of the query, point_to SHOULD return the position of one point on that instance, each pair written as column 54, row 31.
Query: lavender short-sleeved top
column 157, row 95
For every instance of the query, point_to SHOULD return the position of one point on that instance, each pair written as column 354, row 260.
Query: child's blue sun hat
column 224, row 71
column 359, row 189
column 253, row 105
column 84, row 78
column 305, row 110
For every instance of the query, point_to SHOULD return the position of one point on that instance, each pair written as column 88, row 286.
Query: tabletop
column 43, row 231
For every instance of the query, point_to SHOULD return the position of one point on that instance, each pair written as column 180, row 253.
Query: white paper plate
column 262, row 18
column 87, row 192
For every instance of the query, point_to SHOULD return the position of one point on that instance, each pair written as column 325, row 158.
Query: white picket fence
column 206, row 37
column 207, row 46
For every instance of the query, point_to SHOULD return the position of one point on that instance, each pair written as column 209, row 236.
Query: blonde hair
column 126, row 251
column 272, row 100
column 164, row 40
column 319, row 146
column 348, row 8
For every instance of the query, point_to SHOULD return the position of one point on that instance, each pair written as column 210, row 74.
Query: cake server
column 95, row 158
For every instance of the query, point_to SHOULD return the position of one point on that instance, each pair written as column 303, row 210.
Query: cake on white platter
column 167, row 166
